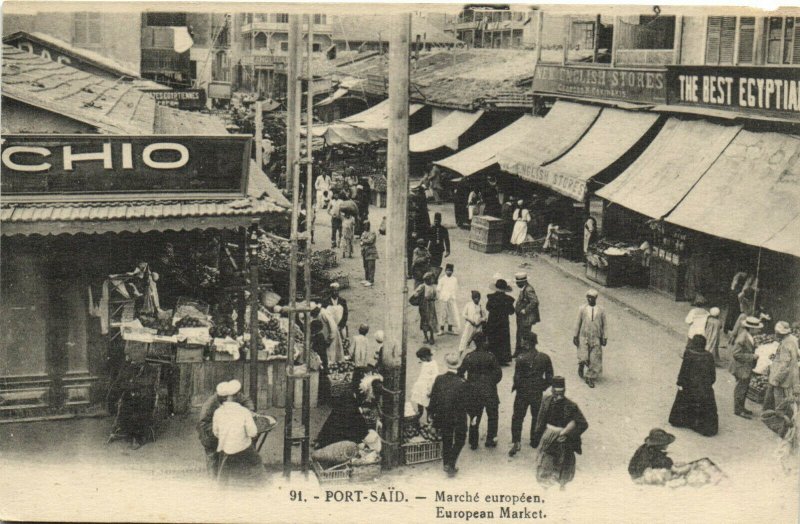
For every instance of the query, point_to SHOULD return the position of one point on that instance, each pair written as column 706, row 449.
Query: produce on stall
column 274, row 265
column 613, row 264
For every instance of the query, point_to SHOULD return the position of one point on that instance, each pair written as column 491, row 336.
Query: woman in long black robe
column 498, row 332
column 345, row 422
column 695, row 406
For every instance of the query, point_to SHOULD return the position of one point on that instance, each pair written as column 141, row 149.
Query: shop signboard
column 646, row 86
column 565, row 184
column 186, row 99
column 766, row 91
column 154, row 165
column 220, row 90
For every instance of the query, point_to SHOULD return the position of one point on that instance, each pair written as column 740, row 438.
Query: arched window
column 260, row 41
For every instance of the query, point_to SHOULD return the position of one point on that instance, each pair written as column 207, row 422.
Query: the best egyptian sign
column 100, row 164
column 182, row 98
column 630, row 85
column 767, row 91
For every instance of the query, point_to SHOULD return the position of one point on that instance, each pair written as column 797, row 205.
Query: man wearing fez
column 533, row 374
column 590, row 336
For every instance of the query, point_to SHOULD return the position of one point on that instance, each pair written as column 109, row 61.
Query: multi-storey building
column 264, row 48
column 495, row 27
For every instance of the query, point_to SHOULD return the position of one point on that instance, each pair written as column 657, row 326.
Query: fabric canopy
column 484, row 154
column 676, row 159
column 444, row 133
column 339, row 93
column 749, row 194
column 365, row 127
column 613, row 134
column 787, row 240
column 549, row 139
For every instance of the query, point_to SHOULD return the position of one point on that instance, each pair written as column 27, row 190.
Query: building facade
column 498, row 28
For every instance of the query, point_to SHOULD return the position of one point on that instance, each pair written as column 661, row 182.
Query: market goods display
column 163, row 326
column 694, row 474
column 421, row 433
column 335, row 453
column 341, row 371
column 190, row 322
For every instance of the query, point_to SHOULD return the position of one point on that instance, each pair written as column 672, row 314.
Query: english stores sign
column 97, row 164
column 768, row 91
column 629, row 85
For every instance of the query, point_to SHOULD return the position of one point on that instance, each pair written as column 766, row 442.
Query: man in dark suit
column 448, row 409
column 742, row 364
column 483, row 374
column 333, row 300
column 438, row 243
column 533, row 374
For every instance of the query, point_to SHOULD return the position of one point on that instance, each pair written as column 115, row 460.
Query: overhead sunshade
column 787, row 239
column 550, row 138
column 669, row 167
column 749, row 194
column 613, row 134
column 484, row 154
column 339, row 93
column 367, row 126
column 444, row 133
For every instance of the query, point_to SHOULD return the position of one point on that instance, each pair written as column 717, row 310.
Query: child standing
column 474, row 316
column 428, row 371
column 348, row 234
column 447, row 290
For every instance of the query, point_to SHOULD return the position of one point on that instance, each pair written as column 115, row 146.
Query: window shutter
column 727, row 39
column 796, row 43
column 712, row 39
column 747, row 33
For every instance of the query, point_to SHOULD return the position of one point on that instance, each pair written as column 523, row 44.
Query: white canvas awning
column 367, row 126
column 444, row 133
column 670, row 166
column 484, row 154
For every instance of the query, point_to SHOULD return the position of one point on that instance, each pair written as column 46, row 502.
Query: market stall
column 614, row 264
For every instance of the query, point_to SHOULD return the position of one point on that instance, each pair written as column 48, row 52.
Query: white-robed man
column 591, row 335
column 447, row 291
column 235, row 429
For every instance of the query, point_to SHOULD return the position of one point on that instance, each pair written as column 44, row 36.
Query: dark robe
column 500, row 307
column 345, row 422
column 695, row 407
column 648, row 457
column 491, row 201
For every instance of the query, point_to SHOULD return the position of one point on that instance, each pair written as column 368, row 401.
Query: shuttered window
column 747, row 34
column 796, row 43
column 720, row 40
column 783, row 40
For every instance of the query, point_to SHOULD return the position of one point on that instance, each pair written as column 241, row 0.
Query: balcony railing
column 284, row 28
column 644, row 57
column 263, row 60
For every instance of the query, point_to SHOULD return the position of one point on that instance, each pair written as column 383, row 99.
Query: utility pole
column 254, row 288
column 307, row 266
column 397, row 197
column 293, row 180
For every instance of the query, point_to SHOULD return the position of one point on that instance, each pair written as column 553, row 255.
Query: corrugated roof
column 115, row 107
column 457, row 78
column 96, row 59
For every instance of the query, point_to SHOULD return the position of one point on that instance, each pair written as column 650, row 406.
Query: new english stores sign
column 97, row 164
column 766, row 91
column 630, row 85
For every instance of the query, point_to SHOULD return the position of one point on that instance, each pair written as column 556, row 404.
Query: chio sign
column 70, row 158
column 53, row 164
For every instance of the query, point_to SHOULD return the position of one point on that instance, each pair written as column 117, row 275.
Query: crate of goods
column 757, row 389
column 420, row 452
column 487, row 230
column 190, row 353
column 364, row 472
column 338, row 473
column 340, row 375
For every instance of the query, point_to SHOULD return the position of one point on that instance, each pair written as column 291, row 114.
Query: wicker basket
column 344, row 281
column 365, row 472
column 420, row 452
column 757, row 391
column 340, row 473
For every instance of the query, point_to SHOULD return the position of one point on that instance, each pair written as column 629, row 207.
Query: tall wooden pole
column 292, row 157
column 309, row 232
column 254, row 290
column 397, row 198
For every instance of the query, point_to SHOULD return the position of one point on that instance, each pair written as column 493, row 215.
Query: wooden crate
column 487, row 230
column 484, row 248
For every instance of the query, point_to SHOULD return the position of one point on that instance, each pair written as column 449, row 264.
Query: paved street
column 635, row 394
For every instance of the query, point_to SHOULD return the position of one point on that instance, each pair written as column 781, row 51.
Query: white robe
column 421, row 392
column 520, row 232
